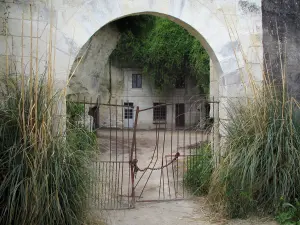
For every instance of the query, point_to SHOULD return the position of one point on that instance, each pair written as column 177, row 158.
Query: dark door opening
column 94, row 112
column 180, row 115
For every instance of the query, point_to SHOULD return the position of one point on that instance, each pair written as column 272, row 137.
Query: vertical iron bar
column 110, row 150
column 218, row 130
column 196, row 130
column 158, row 150
column 84, row 111
column 118, row 187
column 111, row 189
column 90, row 118
column 162, row 157
column 95, row 184
column 102, row 185
column 213, row 129
column 116, row 130
column 201, row 119
column 116, row 111
column 99, row 186
column 169, row 190
column 110, row 157
column 190, row 141
column 129, row 194
column 105, row 185
column 123, row 147
column 184, row 158
column 129, row 165
column 172, row 130
column 133, row 147
column 162, row 180
column 177, row 183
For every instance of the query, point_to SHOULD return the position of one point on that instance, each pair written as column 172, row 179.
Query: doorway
column 128, row 115
column 94, row 112
column 180, row 115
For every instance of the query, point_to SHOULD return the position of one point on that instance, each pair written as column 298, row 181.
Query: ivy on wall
column 164, row 50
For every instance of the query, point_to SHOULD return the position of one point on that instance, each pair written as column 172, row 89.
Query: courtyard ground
column 155, row 146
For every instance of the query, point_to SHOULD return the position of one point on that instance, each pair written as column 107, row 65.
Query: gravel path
column 186, row 212
column 179, row 212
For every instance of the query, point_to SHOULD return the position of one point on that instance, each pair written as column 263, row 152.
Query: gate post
column 133, row 149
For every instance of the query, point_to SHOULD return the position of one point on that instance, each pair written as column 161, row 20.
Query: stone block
column 37, row 11
column 15, row 28
column 6, row 45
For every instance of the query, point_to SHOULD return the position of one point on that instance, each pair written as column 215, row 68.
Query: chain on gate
column 137, row 169
column 121, row 178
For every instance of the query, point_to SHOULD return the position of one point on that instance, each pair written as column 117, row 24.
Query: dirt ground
column 154, row 150
column 186, row 212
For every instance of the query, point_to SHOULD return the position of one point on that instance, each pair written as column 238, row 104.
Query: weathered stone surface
column 230, row 31
column 281, row 26
column 90, row 76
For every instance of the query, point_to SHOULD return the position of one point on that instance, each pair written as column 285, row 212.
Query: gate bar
column 133, row 145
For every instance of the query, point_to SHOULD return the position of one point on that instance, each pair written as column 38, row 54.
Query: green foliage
column 44, row 176
column 199, row 170
column 74, row 111
column 80, row 137
column 262, row 155
column 164, row 50
column 289, row 214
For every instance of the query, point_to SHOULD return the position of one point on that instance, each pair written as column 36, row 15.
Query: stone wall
column 281, row 41
column 92, row 76
column 121, row 91
column 230, row 31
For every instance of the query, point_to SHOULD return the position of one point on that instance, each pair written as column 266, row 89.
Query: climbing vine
column 164, row 50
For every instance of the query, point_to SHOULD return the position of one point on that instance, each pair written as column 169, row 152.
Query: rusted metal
column 122, row 177
column 133, row 151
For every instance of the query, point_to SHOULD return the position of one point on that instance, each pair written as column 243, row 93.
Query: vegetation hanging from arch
column 164, row 50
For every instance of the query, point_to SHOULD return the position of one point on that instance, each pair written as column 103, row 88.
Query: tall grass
column 262, row 155
column 199, row 170
column 44, row 176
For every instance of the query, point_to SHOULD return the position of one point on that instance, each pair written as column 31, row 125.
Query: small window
column 128, row 111
column 136, row 81
column 159, row 112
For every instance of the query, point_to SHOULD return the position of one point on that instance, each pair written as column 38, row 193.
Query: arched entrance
column 225, row 53
column 230, row 31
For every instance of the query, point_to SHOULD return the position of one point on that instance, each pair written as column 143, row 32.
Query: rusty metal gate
column 144, row 149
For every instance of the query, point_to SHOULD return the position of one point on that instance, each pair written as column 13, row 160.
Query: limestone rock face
column 281, row 42
column 91, row 74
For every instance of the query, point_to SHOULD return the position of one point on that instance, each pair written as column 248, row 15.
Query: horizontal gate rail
column 140, row 164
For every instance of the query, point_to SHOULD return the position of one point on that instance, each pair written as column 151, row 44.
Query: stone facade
column 122, row 92
column 230, row 31
column 281, row 40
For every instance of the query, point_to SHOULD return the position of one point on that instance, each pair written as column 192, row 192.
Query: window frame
column 128, row 110
column 134, row 81
column 159, row 113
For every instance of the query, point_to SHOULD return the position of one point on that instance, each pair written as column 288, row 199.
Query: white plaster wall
column 144, row 97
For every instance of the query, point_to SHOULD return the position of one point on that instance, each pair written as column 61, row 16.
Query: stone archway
column 202, row 19
column 230, row 31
